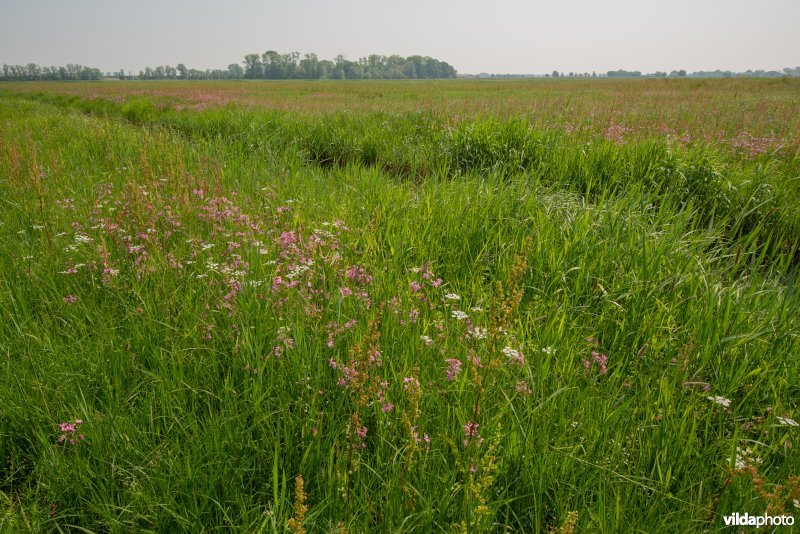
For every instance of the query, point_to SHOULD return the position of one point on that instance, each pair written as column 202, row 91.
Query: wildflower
column 471, row 433
column 427, row 340
column 295, row 524
column 359, row 275
column 410, row 383
column 476, row 309
column 70, row 299
column 470, row 428
column 514, row 356
column 477, row 332
column 744, row 457
column 522, row 387
column 69, row 432
column 722, row 401
column 600, row 359
column 452, row 296
column 387, row 407
column 454, row 367
column 458, row 314
column 550, row 351
column 415, row 287
column 287, row 239
column 785, row 421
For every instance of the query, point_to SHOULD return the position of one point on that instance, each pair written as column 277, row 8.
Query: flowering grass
column 379, row 321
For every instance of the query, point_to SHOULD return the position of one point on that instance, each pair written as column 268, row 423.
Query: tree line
column 274, row 66
column 33, row 72
column 270, row 65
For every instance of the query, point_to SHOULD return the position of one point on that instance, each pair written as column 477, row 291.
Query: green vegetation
column 408, row 308
column 267, row 66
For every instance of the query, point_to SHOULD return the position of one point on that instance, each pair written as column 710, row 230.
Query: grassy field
column 501, row 306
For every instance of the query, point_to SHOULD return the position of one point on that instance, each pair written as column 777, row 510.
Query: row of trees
column 181, row 72
column 33, row 72
column 267, row 66
column 274, row 66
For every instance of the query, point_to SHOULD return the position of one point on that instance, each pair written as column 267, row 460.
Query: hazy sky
column 474, row 36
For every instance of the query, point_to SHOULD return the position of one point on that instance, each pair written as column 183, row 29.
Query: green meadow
column 446, row 306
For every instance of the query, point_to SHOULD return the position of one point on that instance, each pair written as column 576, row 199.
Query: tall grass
column 481, row 326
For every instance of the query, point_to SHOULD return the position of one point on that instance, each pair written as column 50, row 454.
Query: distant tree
column 623, row 73
column 555, row 74
column 253, row 66
column 309, row 67
column 235, row 71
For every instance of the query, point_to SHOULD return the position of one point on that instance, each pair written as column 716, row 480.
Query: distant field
column 470, row 306
column 710, row 110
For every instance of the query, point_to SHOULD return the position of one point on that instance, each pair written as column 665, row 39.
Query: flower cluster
column 722, row 401
column 471, row 434
column 453, row 368
column 596, row 358
column 69, row 432
column 514, row 356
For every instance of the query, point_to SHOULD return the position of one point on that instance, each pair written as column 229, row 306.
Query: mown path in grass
column 486, row 326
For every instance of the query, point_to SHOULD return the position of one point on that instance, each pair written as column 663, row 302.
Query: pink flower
column 70, row 299
column 69, row 431
column 288, row 239
column 454, row 367
column 358, row 274
column 600, row 359
column 471, row 433
column 470, row 428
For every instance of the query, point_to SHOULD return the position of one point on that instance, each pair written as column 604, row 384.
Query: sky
column 497, row 36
